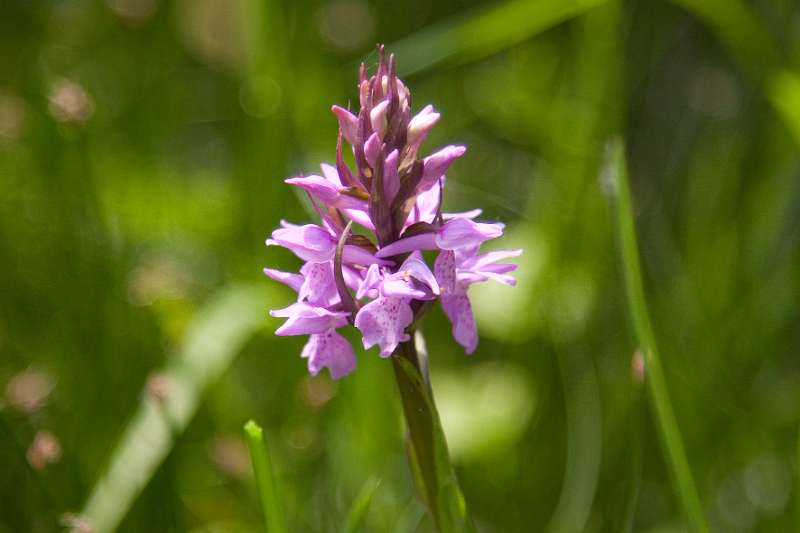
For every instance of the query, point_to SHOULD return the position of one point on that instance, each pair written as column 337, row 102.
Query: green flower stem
column 265, row 479
column 427, row 448
column 656, row 384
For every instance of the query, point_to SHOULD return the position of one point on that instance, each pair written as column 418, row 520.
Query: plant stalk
column 427, row 448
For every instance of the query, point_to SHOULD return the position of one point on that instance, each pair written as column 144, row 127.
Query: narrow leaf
column 265, row 478
column 215, row 336
column 483, row 32
column 683, row 482
column 360, row 505
column 428, row 453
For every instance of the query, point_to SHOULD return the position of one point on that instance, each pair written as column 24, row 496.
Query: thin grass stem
column 678, row 464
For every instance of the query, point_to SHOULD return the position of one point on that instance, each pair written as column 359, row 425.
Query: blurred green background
column 143, row 144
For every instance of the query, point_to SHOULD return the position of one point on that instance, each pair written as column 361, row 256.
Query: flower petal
column 331, row 350
column 391, row 181
column 459, row 310
column 436, row 165
column 424, row 241
column 463, row 232
column 445, row 270
column 305, row 319
column 309, row 242
column 425, row 207
column 356, row 255
column 327, row 192
column 415, row 267
column 319, row 286
column 289, row 278
column 383, row 321
column 378, row 118
column 401, row 288
column 372, row 148
column 472, row 213
column 320, row 187
column 331, row 174
column 420, row 125
column 478, row 262
column 360, row 217
column 371, row 279
column 348, row 123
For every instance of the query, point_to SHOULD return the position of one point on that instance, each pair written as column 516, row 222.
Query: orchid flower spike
column 377, row 279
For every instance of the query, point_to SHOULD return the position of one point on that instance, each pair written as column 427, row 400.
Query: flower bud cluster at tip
column 377, row 279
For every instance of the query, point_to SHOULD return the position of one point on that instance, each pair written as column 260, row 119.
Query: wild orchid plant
column 378, row 279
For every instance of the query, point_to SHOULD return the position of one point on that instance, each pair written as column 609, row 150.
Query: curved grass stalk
column 680, row 472
column 360, row 506
column 215, row 336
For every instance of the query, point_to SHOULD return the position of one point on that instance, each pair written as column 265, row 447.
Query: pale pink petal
column 479, row 261
column 348, row 123
column 473, row 213
column 327, row 192
column 360, row 217
column 436, row 165
column 304, row 319
column 370, row 281
column 414, row 267
column 378, row 118
column 444, row 269
column 459, row 310
column 391, row 181
column 355, row 255
column 425, row 241
column 329, row 350
column 331, row 174
column 420, row 125
column 319, row 285
column 289, row 278
column 318, row 186
column 352, row 277
column 383, row 322
column 425, row 207
column 309, row 242
column 372, row 148
column 463, row 232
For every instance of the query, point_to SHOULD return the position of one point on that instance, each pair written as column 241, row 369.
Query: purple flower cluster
column 377, row 278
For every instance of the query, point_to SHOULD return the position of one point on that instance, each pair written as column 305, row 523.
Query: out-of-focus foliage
column 143, row 144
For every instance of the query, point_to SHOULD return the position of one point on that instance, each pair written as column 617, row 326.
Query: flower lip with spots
column 377, row 280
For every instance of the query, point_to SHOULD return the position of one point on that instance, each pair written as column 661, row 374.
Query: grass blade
column 584, row 442
column 483, row 32
column 683, row 482
column 265, row 478
column 215, row 336
column 797, row 491
column 360, row 505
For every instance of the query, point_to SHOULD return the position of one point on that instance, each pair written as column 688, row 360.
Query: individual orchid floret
column 363, row 263
column 330, row 193
column 316, row 243
column 434, row 166
column 456, row 271
column 383, row 321
column 420, row 126
column 459, row 232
